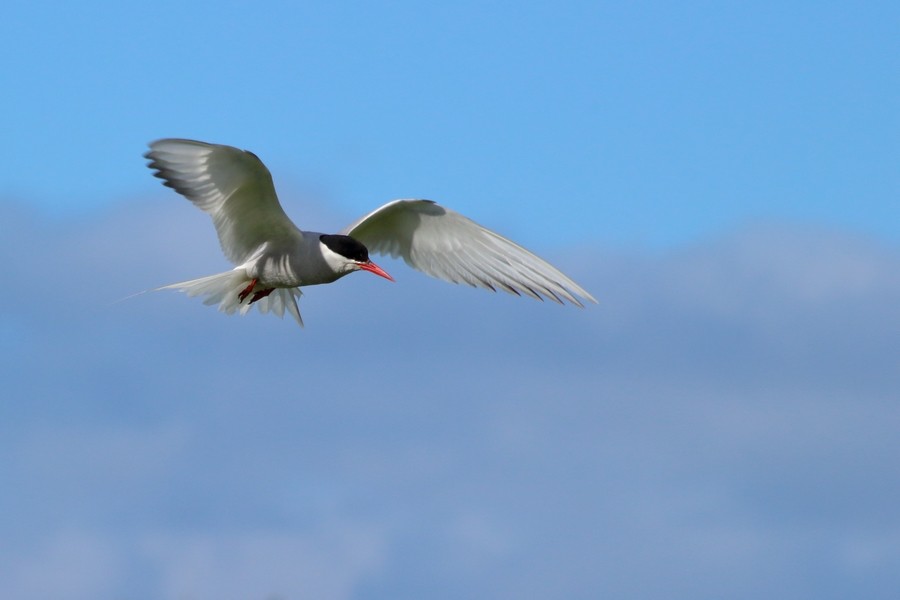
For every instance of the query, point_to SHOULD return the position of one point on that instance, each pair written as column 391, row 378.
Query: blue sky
column 652, row 122
column 721, row 176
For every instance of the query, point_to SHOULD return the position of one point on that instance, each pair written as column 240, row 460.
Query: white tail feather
column 224, row 289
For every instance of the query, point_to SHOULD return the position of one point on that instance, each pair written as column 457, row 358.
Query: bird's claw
column 261, row 295
column 246, row 292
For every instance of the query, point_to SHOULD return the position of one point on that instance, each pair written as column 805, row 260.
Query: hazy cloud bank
column 723, row 424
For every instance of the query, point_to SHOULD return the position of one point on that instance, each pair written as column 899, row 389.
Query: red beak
column 373, row 268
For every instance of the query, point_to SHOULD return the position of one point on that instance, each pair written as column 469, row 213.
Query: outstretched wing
column 449, row 246
column 233, row 186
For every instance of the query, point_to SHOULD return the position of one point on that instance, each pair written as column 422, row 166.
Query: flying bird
column 274, row 258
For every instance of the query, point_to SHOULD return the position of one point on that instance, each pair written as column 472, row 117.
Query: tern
column 273, row 258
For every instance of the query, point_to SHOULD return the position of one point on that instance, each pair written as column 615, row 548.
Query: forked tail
column 225, row 290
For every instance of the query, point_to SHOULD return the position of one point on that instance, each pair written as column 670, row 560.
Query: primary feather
column 447, row 245
column 233, row 186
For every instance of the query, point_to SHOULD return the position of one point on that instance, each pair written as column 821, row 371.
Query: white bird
column 274, row 258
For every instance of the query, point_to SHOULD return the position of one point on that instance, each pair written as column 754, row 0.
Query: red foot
column 261, row 295
column 247, row 291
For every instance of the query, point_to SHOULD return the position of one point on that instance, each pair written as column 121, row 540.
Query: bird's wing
column 233, row 186
column 449, row 246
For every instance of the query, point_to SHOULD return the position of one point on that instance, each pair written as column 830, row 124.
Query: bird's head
column 345, row 255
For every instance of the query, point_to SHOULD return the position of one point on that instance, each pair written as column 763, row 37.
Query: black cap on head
column 346, row 246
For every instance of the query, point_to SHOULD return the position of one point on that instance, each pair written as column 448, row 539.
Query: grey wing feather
column 447, row 245
column 233, row 186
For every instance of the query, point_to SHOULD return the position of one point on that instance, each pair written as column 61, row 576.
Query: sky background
column 721, row 176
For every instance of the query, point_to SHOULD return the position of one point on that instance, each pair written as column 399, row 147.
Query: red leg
column 247, row 290
column 261, row 295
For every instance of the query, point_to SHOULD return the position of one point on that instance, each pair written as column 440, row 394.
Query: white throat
column 337, row 263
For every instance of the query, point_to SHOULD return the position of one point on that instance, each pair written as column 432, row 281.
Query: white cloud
column 328, row 564
column 71, row 564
